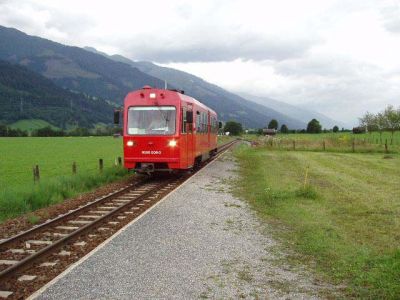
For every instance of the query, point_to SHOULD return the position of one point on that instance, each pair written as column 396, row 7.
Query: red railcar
column 165, row 130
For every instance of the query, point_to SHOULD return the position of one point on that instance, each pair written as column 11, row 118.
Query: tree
column 389, row 119
column 273, row 124
column 392, row 119
column 284, row 128
column 369, row 122
column 381, row 123
column 234, row 128
column 335, row 128
column 314, row 126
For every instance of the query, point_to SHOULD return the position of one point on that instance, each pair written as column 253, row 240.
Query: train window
column 183, row 118
column 198, row 122
column 204, row 123
column 151, row 120
column 214, row 125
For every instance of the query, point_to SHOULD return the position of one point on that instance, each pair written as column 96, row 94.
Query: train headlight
column 172, row 143
column 130, row 143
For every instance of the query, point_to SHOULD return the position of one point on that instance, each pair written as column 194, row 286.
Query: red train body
column 166, row 130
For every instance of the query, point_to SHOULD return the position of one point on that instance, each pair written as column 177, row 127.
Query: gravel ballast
column 200, row 242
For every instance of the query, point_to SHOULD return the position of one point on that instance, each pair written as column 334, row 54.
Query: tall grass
column 54, row 155
column 342, row 217
column 371, row 137
column 17, row 201
column 338, row 142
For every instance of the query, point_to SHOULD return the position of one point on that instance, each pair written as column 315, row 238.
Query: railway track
column 32, row 258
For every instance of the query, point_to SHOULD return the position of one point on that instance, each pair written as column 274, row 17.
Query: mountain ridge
column 98, row 75
column 278, row 107
column 25, row 94
column 209, row 93
column 73, row 67
column 297, row 112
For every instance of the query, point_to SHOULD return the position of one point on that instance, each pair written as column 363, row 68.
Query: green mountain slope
column 112, row 77
column 297, row 112
column 27, row 95
column 73, row 67
column 31, row 125
column 228, row 105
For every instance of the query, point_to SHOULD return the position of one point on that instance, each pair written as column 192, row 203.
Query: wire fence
column 23, row 177
column 329, row 145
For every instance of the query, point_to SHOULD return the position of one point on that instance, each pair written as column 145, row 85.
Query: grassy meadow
column 372, row 138
column 31, row 125
column 55, row 155
column 339, row 142
column 18, row 193
column 340, row 212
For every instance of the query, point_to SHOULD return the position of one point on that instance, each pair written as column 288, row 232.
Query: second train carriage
column 165, row 130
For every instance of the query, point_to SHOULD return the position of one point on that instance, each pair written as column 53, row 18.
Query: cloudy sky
column 338, row 57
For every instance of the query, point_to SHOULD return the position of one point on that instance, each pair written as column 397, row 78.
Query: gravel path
column 200, row 242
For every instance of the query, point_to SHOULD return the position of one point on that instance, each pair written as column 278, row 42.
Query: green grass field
column 225, row 139
column 343, row 218
column 336, row 142
column 55, row 155
column 18, row 193
column 372, row 138
column 31, row 125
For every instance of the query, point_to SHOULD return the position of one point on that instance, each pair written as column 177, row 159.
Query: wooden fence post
column 386, row 146
column 101, row 165
column 323, row 145
column 36, row 174
column 74, row 168
column 353, row 146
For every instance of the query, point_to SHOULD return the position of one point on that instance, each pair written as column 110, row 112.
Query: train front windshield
column 151, row 120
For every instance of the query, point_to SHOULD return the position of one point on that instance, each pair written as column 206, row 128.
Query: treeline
column 312, row 127
column 235, row 128
column 6, row 131
column 386, row 120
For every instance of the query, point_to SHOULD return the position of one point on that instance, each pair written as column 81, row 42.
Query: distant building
column 358, row 130
column 268, row 131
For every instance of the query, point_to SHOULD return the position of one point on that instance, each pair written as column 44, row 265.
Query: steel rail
column 46, row 251
column 66, row 216
column 5, row 243
column 29, row 260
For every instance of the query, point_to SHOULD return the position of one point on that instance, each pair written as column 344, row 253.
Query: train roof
column 179, row 93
